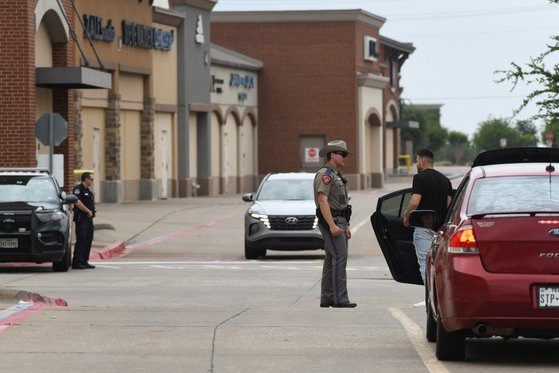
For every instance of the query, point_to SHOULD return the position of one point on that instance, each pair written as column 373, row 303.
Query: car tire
column 253, row 253
column 431, row 324
column 65, row 263
column 450, row 346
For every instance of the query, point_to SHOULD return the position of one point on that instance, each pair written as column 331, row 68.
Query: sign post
column 51, row 129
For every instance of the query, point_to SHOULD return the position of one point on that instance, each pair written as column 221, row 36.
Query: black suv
column 35, row 223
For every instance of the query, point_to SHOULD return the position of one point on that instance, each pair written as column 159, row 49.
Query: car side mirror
column 422, row 219
column 68, row 198
column 247, row 197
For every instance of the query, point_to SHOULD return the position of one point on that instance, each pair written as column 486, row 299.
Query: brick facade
column 17, row 87
column 17, row 84
column 306, row 88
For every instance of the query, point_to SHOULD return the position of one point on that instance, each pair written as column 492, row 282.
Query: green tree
column 490, row 132
column 430, row 133
column 527, row 133
column 543, row 73
column 458, row 142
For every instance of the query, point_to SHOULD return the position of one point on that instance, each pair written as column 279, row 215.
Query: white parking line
column 356, row 228
column 421, row 345
column 231, row 265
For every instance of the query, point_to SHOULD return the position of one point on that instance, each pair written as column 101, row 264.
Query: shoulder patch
column 326, row 179
column 77, row 191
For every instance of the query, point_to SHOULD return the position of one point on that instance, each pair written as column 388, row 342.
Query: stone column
column 78, row 129
column 148, row 182
column 112, row 186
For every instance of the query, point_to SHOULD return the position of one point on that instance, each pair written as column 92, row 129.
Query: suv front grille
column 15, row 223
column 291, row 223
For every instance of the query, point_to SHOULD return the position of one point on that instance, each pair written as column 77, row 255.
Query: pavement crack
column 212, row 354
column 306, row 292
column 128, row 241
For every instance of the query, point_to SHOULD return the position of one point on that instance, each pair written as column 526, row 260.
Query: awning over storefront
column 72, row 77
column 403, row 124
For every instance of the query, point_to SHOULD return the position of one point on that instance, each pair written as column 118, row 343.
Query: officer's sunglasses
column 343, row 154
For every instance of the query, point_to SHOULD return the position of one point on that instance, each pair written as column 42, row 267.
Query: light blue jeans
column 422, row 238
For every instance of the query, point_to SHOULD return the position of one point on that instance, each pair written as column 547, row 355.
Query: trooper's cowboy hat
column 334, row 146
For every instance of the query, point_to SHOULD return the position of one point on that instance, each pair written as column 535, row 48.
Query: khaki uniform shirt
column 328, row 181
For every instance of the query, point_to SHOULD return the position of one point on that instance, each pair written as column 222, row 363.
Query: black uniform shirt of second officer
column 86, row 196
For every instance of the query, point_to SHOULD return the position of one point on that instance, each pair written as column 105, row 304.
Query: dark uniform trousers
column 333, row 286
column 84, row 238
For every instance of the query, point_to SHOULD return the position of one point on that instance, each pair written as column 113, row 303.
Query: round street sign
column 59, row 129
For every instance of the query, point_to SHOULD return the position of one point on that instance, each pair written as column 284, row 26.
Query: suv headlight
column 49, row 217
column 263, row 218
column 315, row 224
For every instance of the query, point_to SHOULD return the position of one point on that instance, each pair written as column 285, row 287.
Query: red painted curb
column 30, row 297
column 113, row 250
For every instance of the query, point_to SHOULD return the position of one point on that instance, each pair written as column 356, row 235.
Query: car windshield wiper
column 509, row 213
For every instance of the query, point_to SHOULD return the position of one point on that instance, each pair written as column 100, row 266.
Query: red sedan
column 493, row 268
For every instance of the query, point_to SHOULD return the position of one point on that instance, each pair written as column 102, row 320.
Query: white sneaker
column 420, row 304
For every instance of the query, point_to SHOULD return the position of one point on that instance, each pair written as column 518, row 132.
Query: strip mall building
column 327, row 75
column 158, row 111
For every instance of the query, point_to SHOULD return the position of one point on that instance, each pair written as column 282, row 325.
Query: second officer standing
column 84, row 212
column 333, row 212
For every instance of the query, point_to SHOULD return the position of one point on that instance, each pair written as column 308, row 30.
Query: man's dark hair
column 328, row 156
column 86, row 175
column 426, row 153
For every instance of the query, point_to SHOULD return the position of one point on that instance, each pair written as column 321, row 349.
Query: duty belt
column 338, row 213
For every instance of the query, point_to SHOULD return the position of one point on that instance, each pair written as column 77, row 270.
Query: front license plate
column 8, row 243
column 548, row 296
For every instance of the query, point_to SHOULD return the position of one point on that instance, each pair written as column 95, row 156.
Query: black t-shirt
column 434, row 189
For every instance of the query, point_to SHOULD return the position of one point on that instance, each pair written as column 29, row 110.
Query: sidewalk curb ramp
column 113, row 250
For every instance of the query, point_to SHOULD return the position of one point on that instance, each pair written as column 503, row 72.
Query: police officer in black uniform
column 333, row 212
column 84, row 212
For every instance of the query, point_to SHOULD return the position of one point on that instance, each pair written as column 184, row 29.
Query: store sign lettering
column 147, row 37
column 236, row 80
column 93, row 26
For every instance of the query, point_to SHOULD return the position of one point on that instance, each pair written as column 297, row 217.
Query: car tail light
column 463, row 241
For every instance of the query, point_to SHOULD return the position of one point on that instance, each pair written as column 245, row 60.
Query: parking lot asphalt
column 117, row 225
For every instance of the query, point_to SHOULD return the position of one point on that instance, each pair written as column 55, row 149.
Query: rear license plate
column 548, row 296
column 8, row 243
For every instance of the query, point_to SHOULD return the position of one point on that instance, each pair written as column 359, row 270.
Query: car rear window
column 514, row 194
column 287, row 189
column 27, row 189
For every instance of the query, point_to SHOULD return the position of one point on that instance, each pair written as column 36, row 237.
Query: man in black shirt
column 431, row 190
column 84, row 212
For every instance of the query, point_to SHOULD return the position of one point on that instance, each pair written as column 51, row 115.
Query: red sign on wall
column 311, row 155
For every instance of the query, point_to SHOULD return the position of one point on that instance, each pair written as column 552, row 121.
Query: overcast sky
column 459, row 45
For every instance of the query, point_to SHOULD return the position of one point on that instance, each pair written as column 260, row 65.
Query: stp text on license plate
column 548, row 296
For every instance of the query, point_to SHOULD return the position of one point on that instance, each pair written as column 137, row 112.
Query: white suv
column 282, row 215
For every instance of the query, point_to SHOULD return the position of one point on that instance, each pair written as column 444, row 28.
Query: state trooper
column 84, row 212
column 333, row 212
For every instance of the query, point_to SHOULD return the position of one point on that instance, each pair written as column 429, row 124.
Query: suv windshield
column 514, row 194
column 287, row 189
column 27, row 189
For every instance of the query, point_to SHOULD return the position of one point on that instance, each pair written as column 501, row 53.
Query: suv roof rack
column 517, row 155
